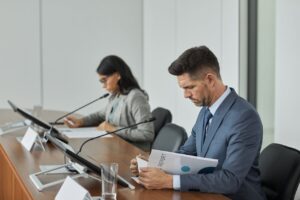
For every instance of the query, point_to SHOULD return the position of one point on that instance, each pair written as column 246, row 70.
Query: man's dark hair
column 112, row 64
column 195, row 60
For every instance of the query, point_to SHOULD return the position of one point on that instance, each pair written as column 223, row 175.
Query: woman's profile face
column 110, row 82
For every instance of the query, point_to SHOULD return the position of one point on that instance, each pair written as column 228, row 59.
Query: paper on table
column 82, row 132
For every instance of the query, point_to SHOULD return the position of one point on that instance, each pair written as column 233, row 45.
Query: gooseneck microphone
column 59, row 123
column 130, row 126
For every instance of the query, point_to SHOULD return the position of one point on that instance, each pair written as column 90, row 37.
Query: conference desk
column 16, row 164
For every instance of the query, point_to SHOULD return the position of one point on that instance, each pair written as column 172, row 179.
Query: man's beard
column 203, row 102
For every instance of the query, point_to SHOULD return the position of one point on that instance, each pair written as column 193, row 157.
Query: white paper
column 29, row 139
column 82, row 132
column 72, row 190
column 175, row 163
column 136, row 179
column 13, row 126
column 141, row 163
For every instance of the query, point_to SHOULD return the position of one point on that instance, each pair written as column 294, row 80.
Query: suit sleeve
column 140, row 111
column 94, row 119
column 244, row 143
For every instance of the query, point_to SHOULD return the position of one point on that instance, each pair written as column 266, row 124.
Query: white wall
column 266, row 67
column 287, row 95
column 77, row 37
column 172, row 26
column 266, row 62
column 60, row 43
column 19, row 52
column 50, row 49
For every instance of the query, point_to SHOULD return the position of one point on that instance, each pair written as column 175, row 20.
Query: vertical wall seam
column 142, row 45
column 176, row 48
column 239, row 47
column 222, row 30
column 252, row 52
column 41, row 52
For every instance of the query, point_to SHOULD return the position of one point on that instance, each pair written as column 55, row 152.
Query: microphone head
column 104, row 96
column 151, row 119
column 12, row 106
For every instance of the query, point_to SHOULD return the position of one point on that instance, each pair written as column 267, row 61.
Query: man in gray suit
column 227, row 128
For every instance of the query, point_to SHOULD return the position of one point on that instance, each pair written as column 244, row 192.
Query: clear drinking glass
column 109, row 174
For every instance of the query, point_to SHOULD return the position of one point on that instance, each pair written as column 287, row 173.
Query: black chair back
column 280, row 171
column 162, row 117
column 170, row 138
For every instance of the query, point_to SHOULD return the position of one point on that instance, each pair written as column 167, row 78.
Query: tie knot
column 207, row 115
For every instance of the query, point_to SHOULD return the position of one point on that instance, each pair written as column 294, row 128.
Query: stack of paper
column 82, row 132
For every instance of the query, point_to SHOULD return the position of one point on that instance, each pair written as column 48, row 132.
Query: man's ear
column 210, row 79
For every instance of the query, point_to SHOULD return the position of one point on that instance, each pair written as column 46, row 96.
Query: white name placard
column 72, row 190
column 29, row 139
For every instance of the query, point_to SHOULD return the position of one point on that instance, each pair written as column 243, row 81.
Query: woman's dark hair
column 112, row 64
column 195, row 60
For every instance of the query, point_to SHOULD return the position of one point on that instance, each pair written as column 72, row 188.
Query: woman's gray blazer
column 124, row 110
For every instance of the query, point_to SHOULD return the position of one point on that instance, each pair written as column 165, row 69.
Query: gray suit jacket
column 234, row 138
column 125, row 110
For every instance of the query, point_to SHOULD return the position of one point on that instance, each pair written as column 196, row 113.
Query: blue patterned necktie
column 207, row 116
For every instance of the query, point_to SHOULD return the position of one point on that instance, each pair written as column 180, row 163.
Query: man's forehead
column 184, row 80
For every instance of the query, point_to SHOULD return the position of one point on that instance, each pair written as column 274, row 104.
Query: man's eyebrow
column 187, row 86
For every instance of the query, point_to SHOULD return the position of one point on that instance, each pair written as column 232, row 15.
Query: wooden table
column 16, row 163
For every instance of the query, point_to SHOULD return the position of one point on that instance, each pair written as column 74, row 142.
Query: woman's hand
column 105, row 126
column 73, row 122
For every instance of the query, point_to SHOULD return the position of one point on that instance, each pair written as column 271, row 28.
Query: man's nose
column 187, row 94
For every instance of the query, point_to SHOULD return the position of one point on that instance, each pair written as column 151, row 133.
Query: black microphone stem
column 130, row 126
column 103, row 96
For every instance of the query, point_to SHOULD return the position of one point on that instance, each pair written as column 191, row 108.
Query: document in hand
column 175, row 163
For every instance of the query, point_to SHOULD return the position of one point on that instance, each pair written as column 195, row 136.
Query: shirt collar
column 213, row 108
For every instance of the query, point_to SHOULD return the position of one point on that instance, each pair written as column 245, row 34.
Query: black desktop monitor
column 73, row 156
column 54, row 138
column 38, row 122
column 82, row 161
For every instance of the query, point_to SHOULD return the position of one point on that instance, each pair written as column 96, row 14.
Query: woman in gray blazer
column 128, row 104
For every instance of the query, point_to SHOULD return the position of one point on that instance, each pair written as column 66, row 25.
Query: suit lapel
column 115, row 109
column 217, row 120
column 200, row 128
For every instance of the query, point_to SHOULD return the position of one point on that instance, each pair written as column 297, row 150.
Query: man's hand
column 154, row 178
column 134, row 166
